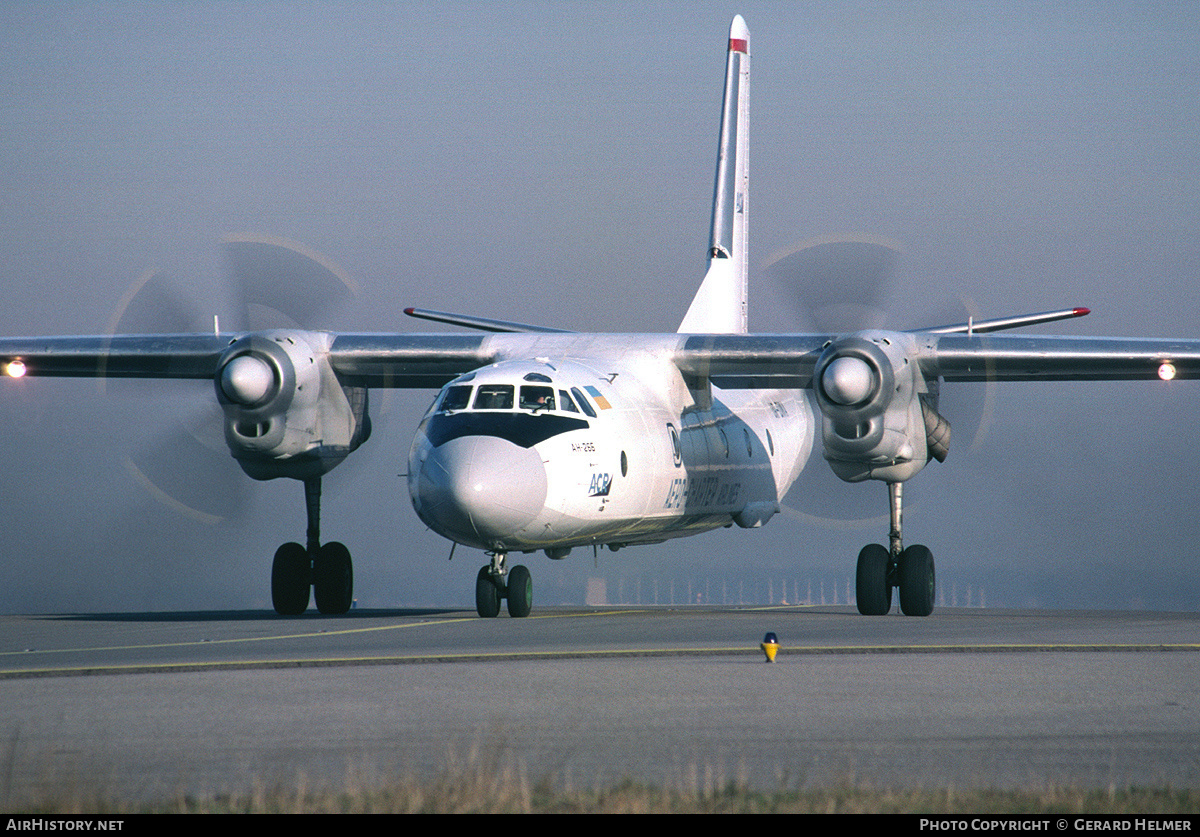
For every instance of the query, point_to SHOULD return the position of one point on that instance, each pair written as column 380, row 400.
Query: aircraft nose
column 480, row 489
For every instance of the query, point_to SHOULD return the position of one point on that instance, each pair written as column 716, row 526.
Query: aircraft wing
column 732, row 361
column 370, row 360
column 742, row 361
column 114, row 356
column 958, row 357
column 752, row 361
column 409, row 360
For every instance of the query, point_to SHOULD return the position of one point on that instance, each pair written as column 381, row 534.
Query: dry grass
column 451, row 797
column 490, row 785
column 487, row 796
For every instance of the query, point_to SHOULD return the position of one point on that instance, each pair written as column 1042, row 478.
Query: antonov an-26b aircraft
column 547, row 440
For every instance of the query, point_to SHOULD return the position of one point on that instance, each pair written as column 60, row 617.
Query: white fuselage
column 615, row 456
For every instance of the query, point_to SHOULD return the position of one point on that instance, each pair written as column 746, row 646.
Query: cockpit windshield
column 534, row 397
column 537, row 398
column 456, row 398
column 494, row 397
column 525, row 413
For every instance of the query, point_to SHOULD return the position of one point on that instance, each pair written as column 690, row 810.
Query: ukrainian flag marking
column 600, row 400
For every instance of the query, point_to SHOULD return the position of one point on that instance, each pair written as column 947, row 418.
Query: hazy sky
column 553, row 162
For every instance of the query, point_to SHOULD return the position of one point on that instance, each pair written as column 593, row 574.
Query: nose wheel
column 880, row 569
column 495, row 582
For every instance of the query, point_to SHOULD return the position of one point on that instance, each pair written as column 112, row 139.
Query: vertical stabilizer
column 720, row 305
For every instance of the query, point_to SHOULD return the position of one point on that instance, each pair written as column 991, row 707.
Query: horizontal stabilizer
column 480, row 323
column 1005, row 323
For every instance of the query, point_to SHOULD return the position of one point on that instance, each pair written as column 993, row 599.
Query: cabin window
column 537, row 398
column 494, row 397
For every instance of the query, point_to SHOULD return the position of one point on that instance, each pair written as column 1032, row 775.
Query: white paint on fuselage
column 659, row 461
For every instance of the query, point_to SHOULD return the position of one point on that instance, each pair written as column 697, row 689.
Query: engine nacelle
column 870, row 391
column 286, row 413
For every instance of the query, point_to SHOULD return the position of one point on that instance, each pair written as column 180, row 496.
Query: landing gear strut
column 880, row 569
column 495, row 582
column 327, row 568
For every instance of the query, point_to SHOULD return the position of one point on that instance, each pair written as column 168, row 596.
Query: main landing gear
column 325, row 568
column 881, row 569
column 496, row 582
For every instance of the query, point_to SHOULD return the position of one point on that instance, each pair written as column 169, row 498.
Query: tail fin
column 720, row 305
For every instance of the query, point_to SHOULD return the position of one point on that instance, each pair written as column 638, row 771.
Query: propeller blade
column 281, row 283
column 154, row 304
column 190, row 470
column 830, row 285
column 274, row 283
column 839, row 285
column 835, row 285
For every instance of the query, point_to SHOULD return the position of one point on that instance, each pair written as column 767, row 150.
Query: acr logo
column 600, row 485
column 676, row 447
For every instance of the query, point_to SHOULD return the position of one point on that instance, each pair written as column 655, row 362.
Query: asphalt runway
column 146, row 705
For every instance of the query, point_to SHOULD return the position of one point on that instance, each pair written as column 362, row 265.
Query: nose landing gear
column 495, row 582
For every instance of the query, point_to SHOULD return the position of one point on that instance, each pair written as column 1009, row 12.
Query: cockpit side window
column 456, row 398
column 583, row 402
column 537, row 398
column 494, row 397
column 565, row 403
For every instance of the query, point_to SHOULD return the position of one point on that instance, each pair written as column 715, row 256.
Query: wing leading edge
column 788, row 360
column 113, row 356
column 364, row 360
column 1043, row 358
column 740, row 361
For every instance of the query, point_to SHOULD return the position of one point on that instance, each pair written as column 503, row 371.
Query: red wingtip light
column 1082, row 312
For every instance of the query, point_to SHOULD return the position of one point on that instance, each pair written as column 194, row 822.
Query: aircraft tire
column 520, row 592
column 917, row 581
column 871, row 587
column 290, row 582
column 487, row 594
column 333, row 579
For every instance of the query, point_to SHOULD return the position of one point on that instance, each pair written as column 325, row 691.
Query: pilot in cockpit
column 537, row 398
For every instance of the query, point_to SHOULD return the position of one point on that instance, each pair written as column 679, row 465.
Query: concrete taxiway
column 148, row 705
